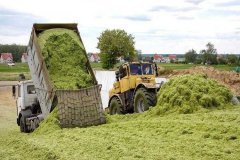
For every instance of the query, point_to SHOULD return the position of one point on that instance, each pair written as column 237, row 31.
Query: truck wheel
column 23, row 126
column 143, row 99
column 115, row 106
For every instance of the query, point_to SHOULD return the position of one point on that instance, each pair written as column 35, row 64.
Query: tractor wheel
column 143, row 99
column 115, row 106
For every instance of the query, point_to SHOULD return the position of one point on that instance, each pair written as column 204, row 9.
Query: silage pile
column 49, row 124
column 227, row 78
column 191, row 93
column 65, row 59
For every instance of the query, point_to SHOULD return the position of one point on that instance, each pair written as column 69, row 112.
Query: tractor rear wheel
column 143, row 99
column 115, row 106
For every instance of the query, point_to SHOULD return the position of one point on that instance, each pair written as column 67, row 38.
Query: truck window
column 135, row 69
column 31, row 89
column 147, row 69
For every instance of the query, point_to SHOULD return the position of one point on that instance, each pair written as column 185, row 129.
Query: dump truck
column 135, row 88
column 36, row 98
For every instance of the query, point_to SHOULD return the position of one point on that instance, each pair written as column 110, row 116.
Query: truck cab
column 26, row 102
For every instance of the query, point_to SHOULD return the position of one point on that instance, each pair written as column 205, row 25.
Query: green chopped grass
column 212, row 135
column 65, row 59
column 191, row 93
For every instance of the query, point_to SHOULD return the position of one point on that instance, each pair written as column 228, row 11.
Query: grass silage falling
column 65, row 59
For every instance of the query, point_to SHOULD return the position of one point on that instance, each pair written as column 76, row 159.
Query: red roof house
column 172, row 57
column 158, row 58
column 6, row 58
column 94, row 57
column 24, row 58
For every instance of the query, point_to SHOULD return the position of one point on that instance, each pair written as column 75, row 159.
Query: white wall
column 106, row 79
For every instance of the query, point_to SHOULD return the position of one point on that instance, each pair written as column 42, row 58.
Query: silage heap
column 49, row 124
column 65, row 59
column 191, row 93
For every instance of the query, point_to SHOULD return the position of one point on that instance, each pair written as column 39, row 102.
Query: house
column 172, row 58
column 94, row 57
column 24, row 58
column 6, row 58
column 158, row 58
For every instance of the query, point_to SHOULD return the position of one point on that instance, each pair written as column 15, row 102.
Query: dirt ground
column 7, row 104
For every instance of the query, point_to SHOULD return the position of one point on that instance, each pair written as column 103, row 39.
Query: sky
column 159, row 26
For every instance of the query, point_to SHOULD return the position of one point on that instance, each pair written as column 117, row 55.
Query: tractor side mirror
column 14, row 91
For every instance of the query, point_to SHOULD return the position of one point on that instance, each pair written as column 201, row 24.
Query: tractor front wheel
column 115, row 106
column 143, row 99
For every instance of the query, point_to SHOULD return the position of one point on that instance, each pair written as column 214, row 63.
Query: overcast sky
column 159, row 26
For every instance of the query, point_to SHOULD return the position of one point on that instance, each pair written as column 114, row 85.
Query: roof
column 156, row 56
column 172, row 56
column 5, row 56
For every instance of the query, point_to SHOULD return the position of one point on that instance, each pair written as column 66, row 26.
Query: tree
column 232, row 59
column 191, row 56
column 113, row 44
column 209, row 55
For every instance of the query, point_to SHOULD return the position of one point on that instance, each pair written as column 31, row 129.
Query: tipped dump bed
column 71, row 103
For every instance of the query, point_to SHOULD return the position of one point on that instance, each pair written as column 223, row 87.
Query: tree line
column 15, row 49
column 210, row 56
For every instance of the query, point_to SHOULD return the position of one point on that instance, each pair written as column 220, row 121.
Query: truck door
column 124, row 78
column 19, row 99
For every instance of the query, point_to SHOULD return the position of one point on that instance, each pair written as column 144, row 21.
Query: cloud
column 137, row 18
column 185, row 18
column 230, row 3
column 195, row 2
column 221, row 12
column 16, row 23
column 172, row 9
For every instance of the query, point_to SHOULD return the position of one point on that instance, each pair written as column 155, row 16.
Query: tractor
column 135, row 88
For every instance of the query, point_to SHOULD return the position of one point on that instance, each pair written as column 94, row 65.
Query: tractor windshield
column 147, row 69
column 141, row 69
column 135, row 69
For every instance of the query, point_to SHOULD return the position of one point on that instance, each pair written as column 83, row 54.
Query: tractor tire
column 115, row 106
column 23, row 126
column 143, row 99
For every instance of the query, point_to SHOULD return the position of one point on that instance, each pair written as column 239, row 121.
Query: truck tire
column 23, row 126
column 115, row 106
column 143, row 99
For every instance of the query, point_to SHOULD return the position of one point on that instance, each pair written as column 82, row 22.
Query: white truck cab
column 26, row 95
column 27, row 104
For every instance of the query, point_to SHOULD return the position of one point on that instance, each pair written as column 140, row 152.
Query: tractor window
column 147, row 69
column 31, row 89
column 122, row 72
column 135, row 69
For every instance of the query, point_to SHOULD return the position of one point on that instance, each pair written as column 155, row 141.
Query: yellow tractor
column 135, row 88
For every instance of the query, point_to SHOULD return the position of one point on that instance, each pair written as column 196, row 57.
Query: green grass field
column 213, row 135
column 11, row 73
column 18, row 68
